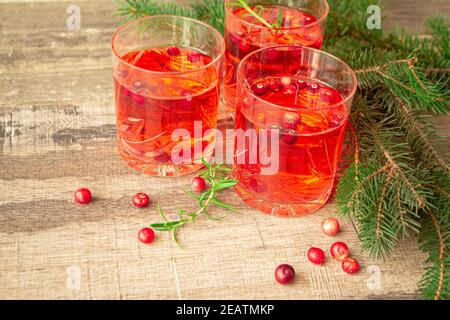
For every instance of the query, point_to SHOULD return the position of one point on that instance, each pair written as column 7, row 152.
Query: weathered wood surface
column 57, row 133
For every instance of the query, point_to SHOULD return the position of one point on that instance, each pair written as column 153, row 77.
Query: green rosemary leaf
column 279, row 20
column 167, row 225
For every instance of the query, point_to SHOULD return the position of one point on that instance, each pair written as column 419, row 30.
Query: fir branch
column 435, row 239
column 133, row 9
column 419, row 132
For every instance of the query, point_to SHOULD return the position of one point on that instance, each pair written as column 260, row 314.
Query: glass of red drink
column 301, row 98
column 278, row 22
column 167, row 75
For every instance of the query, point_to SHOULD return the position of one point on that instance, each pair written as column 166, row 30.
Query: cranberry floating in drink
column 254, row 24
column 167, row 73
column 306, row 99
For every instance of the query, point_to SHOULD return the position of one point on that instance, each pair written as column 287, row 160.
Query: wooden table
column 57, row 133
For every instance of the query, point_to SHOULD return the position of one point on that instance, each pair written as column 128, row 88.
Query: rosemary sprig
column 259, row 16
column 218, row 178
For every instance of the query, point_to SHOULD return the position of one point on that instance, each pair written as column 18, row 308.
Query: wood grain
column 57, row 133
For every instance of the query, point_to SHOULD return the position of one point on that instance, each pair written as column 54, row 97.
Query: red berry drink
column 166, row 96
column 309, row 116
column 149, row 112
column 261, row 25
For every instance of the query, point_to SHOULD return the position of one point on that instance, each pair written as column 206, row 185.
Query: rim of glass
column 129, row 23
column 320, row 20
column 279, row 106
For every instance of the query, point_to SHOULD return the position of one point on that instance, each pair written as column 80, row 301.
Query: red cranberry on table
column 284, row 274
column 146, row 235
column 198, row 184
column 83, row 196
column 316, row 255
column 339, row 251
column 330, row 226
column 141, row 200
column 350, row 265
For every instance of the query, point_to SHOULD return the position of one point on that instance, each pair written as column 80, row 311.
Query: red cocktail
column 304, row 97
column 166, row 80
column 266, row 23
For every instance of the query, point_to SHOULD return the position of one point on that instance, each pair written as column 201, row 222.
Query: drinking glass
column 167, row 75
column 286, row 22
column 299, row 99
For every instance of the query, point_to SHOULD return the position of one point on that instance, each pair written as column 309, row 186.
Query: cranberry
column 83, row 196
column 290, row 137
column 284, row 274
column 309, row 129
column 258, row 186
column 275, row 86
column 313, row 87
column 260, row 89
column 138, row 84
column 301, row 84
column 330, row 226
column 146, row 235
column 350, row 265
column 306, row 20
column 316, row 255
column 162, row 158
column 339, row 251
column 173, row 51
column 244, row 46
column 193, row 57
column 336, row 120
column 330, row 96
column 141, row 200
column 291, row 120
column 198, row 184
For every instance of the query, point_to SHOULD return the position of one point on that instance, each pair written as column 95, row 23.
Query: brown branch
column 437, row 295
column 424, row 88
column 386, row 168
column 355, row 141
column 420, row 200
column 380, row 67
column 397, row 82
column 400, row 211
column 436, row 70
